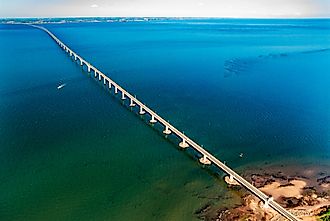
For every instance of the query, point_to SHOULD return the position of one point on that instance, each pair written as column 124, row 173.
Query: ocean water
column 257, row 87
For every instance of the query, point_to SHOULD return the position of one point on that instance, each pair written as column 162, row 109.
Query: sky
column 166, row 8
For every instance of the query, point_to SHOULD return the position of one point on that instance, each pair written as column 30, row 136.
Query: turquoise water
column 258, row 87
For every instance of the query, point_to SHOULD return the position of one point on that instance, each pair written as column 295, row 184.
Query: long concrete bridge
column 206, row 159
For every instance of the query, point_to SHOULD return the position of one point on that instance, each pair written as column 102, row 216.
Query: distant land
column 61, row 20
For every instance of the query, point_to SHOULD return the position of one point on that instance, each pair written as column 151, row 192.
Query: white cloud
column 94, row 6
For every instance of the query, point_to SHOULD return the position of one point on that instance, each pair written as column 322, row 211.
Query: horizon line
column 204, row 17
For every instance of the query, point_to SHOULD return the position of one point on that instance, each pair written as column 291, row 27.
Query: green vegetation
column 325, row 216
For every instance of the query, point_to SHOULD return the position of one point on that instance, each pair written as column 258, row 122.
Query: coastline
column 304, row 191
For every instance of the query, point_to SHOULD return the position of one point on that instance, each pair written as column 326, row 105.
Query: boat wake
column 61, row 86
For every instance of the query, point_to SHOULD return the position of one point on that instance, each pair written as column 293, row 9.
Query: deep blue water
column 258, row 87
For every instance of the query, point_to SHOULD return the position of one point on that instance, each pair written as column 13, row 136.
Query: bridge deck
column 178, row 133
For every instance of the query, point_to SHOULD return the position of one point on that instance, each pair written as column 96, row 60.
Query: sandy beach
column 303, row 191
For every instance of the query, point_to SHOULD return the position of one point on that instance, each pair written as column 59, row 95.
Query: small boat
column 60, row 86
column 241, row 155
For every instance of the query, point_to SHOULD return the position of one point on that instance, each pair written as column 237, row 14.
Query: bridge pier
column 231, row 178
column 109, row 85
column 104, row 81
column 116, row 90
column 167, row 131
column 266, row 203
column 183, row 144
column 95, row 73
column 81, row 63
column 88, row 68
column 132, row 103
column 141, row 111
column 153, row 120
column 99, row 77
column 123, row 95
column 204, row 160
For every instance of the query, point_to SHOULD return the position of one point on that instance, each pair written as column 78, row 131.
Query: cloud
column 94, row 6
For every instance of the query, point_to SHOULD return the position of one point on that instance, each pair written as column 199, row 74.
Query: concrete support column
column 104, row 81
column 231, row 178
column 131, row 103
column 88, row 68
column 75, row 57
column 100, row 77
column 183, row 144
column 123, row 95
column 141, row 110
column 95, row 73
column 167, row 131
column 81, row 63
column 153, row 120
column 116, row 90
column 109, row 84
column 266, row 204
column 204, row 160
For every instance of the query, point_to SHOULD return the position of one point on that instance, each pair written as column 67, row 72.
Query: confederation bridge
column 206, row 159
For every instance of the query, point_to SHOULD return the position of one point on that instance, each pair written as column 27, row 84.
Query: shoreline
column 304, row 191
